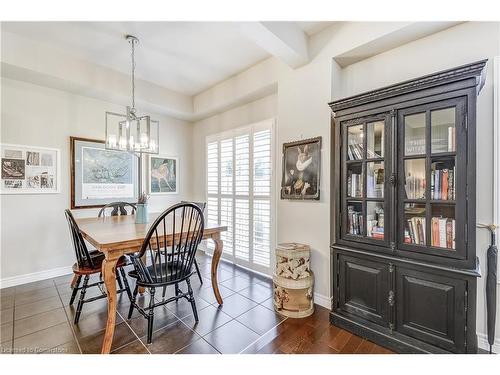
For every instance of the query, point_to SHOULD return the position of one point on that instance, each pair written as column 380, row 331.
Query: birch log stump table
column 116, row 236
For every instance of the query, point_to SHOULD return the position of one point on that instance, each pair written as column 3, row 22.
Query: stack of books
column 415, row 230
column 355, row 151
column 443, row 232
column 443, row 184
column 355, row 221
column 354, row 184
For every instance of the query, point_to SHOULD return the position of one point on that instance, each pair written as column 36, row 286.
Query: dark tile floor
column 37, row 318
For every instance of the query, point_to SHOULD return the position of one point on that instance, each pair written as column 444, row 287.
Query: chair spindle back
column 171, row 244
column 82, row 253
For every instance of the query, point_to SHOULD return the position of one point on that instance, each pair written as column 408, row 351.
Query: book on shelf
column 354, row 184
column 415, row 228
column 451, row 139
column 443, row 232
column 443, row 184
column 355, row 151
column 355, row 221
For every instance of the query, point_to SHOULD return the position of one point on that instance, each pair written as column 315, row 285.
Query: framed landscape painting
column 100, row 176
column 301, row 169
column 29, row 169
column 163, row 175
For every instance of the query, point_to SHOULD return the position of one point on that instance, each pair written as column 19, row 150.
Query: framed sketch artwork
column 100, row 176
column 29, row 169
column 163, row 175
column 301, row 169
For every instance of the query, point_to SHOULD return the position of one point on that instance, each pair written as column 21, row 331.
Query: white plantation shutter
column 262, row 163
column 239, row 193
column 242, row 229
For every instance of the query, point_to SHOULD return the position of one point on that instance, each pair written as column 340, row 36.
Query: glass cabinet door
column 431, row 188
column 364, row 188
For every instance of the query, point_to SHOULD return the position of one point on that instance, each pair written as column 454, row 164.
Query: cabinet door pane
column 375, row 140
column 415, row 224
column 415, row 178
column 355, row 180
column 443, row 130
column 443, row 179
column 443, row 226
column 414, row 134
column 375, row 220
column 355, row 142
column 375, row 179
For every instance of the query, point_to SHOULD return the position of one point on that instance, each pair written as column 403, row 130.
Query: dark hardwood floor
column 36, row 318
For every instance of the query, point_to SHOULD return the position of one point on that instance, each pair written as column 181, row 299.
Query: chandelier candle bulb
column 293, row 281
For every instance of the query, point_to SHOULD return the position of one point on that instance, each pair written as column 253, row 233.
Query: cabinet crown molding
column 474, row 70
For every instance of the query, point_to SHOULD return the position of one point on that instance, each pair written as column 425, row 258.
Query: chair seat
column 160, row 277
column 97, row 258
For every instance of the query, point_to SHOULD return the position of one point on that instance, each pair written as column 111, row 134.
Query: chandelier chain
column 132, row 42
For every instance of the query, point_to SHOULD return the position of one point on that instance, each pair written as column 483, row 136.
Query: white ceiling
column 187, row 57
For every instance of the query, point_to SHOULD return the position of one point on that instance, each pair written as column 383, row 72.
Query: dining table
column 116, row 236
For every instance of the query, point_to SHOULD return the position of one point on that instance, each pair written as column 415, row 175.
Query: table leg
column 73, row 282
column 215, row 266
column 109, row 274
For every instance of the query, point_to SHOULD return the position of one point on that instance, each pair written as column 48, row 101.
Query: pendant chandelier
column 131, row 132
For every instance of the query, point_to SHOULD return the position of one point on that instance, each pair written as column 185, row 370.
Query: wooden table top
column 121, row 232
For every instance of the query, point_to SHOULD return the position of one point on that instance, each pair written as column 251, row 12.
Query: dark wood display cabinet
column 404, row 263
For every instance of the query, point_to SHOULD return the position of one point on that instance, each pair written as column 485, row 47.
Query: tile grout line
column 135, row 334
column 68, row 321
column 269, row 330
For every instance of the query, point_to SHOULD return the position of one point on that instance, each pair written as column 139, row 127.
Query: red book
column 444, row 185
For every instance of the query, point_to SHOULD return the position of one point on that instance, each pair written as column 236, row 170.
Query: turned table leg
column 109, row 275
column 215, row 266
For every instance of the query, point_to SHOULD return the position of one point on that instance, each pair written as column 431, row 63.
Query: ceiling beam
column 285, row 40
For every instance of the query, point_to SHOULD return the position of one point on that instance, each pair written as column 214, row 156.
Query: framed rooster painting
column 301, row 169
column 163, row 175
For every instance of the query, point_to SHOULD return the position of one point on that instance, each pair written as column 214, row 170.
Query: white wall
column 35, row 236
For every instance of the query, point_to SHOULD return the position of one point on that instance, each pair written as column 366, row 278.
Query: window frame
column 250, row 129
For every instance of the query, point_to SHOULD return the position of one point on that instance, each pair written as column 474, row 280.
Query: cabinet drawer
column 364, row 289
column 431, row 308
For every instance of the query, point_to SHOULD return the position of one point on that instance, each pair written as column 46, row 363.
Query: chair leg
column 198, row 270
column 191, row 299
column 151, row 315
column 119, row 279
column 132, row 301
column 82, row 297
column 125, row 281
column 177, row 290
column 75, row 286
column 164, row 292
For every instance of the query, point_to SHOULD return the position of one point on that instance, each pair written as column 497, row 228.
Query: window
column 239, row 193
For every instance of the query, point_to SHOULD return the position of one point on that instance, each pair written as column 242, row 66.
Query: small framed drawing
column 301, row 169
column 163, row 175
column 29, row 169
column 100, row 176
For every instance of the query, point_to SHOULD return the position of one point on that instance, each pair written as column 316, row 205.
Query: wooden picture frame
column 76, row 176
column 301, row 170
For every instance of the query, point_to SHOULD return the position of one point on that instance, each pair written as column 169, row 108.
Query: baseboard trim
column 323, row 301
column 482, row 342
column 35, row 276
